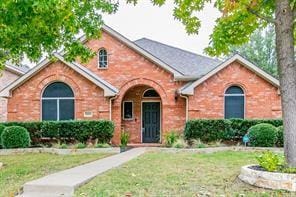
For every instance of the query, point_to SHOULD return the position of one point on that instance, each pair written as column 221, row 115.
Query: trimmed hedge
column 263, row 135
column 77, row 130
column 223, row 129
column 2, row 127
column 15, row 137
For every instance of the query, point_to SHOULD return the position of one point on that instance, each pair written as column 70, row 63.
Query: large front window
column 58, row 102
column 234, row 102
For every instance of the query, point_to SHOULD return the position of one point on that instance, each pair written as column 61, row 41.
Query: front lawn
column 21, row 168
column 178, row 174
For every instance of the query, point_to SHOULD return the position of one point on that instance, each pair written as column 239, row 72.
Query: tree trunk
column 287, row 71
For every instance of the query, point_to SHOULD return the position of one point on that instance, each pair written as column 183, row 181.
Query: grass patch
column 178, row 174
column 21, row 168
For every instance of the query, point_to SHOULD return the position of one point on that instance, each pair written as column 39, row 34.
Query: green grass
column 178, row 174
column 22, row 168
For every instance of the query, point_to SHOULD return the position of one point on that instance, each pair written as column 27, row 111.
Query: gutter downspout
column 187, row 106
column 110, row 107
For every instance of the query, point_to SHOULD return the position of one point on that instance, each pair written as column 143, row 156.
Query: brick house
column 7, row 76
column 147, row 88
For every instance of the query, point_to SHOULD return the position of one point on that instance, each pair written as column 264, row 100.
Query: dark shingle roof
column 188, row 63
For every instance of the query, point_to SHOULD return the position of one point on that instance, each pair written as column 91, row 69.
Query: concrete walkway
column 63, row 183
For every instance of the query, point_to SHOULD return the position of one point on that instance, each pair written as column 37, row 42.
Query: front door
column 151, row 122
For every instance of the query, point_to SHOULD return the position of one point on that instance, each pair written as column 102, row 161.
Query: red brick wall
column 261, row 98
column 25, row 103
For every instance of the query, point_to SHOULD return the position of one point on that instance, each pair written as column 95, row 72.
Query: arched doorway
column 141, row 114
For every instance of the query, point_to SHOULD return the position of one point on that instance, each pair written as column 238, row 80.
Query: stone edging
column 270, row 180
column 215, row 149
column 58, row 151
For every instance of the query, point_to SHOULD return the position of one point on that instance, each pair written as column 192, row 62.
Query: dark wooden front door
column 151, row 122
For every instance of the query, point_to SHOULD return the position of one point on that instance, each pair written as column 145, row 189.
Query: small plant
column 270, row 161
column 171, row 138
column 124, row 137
column 80, row 145
column 280, row 137
column 180, row 143
column 263, row 135
column 15, row 137
column 197, row 144
column 105, row 145
column 63, row 146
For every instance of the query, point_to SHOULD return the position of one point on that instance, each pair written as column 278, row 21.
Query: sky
column 158, row 23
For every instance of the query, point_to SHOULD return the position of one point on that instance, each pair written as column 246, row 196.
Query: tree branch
column 266, row 18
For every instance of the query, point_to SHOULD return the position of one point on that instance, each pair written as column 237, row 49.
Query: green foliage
column 15, row 137
column 102, row 130
column 63, row 146
column 209, row 130
column 35, row 27
column 105, row 145
column 180, row 143
column 270, row 161
column 80, row 145
column 171, row 138
column 260, row 49
column 280, row 137
column 124, row 138
column 263, row 135
column 2, row 127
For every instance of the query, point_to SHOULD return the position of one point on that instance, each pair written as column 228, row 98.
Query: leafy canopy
column 260, row 49
column 34, row 27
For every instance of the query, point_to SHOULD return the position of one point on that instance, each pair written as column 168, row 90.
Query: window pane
column 128, row 110
column 151, row 93
column 234, row 90
column 234, row 106
column 103, row 58
column 66, row 109
column 49, row 110
column 58, row 89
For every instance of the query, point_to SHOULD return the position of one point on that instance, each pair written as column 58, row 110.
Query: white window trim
column 226, row 95
column 58, row 105
column 107, row 55
column 123, row 115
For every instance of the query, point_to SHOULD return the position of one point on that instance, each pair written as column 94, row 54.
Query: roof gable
column 109, row 90
column 188, row 89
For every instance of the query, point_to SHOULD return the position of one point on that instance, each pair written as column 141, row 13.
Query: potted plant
column 124, row 137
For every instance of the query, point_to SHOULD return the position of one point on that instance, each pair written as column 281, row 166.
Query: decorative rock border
column 270, row 180
column 58, row 151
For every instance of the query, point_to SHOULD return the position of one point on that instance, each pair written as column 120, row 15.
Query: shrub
column 15, row 137
column 2, row 127
column 63, row 146
column 222, row 129
column 263, row 135
column 102, row 145
column 180, row 143
column 280, row 137
column 270, row 162
column 80, row 145
column 124, row 137
column 171, row 138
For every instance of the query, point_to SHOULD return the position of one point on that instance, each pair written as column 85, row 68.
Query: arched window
column 103, row 58
column 234, row 106
column 150, row 93
column 58, row 102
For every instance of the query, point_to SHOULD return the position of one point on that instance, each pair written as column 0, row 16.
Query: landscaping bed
column 160, row 173
column 20, row 168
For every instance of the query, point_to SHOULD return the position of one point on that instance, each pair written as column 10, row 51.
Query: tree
column 240, row 18
column 260, row 49
column 37, row 27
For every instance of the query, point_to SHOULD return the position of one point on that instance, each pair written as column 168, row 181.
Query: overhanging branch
column 266, row 18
